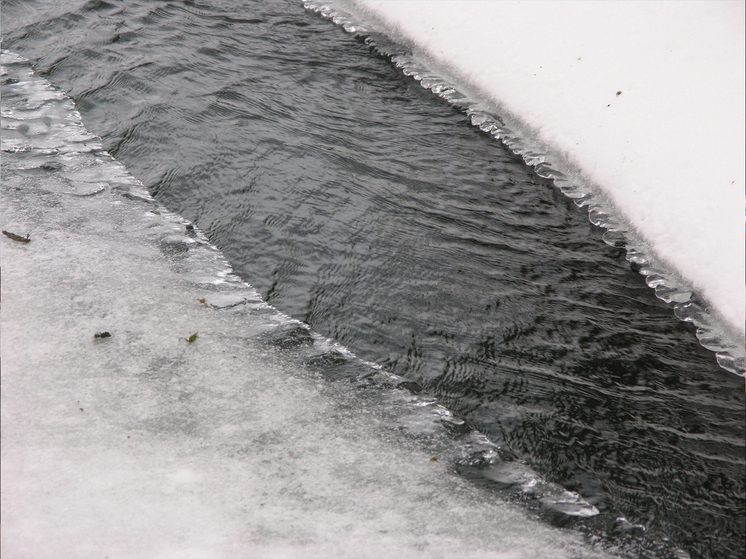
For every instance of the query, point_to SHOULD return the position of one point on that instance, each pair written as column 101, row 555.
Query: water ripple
column 367, row 207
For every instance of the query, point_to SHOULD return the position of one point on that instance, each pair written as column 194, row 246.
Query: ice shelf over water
column 645, row 99
column 145, row 444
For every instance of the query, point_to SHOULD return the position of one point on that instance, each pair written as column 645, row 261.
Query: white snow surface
column 144, row 445
column 668, row 150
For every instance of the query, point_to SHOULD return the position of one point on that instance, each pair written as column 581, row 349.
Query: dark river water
column 358, row 202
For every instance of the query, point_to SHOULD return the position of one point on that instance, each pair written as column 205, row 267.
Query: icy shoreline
column 651, row 116
column 387, row 28
column 144, row 444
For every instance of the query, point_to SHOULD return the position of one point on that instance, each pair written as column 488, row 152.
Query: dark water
column 358, row 202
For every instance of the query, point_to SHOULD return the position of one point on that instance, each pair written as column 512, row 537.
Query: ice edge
column 459, row 443
column 712, row 331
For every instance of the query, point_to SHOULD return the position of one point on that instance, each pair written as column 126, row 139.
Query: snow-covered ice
column 644, row 98
column 145, row 445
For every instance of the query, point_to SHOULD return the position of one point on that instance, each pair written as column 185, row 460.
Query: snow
column 144, row 445
column 645, row 98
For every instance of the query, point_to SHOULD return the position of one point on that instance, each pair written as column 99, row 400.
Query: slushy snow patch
column 645, row 98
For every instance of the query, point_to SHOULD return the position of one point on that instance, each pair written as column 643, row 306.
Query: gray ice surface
column 143, row 445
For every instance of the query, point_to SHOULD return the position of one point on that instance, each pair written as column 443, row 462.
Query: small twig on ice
column 26, row 239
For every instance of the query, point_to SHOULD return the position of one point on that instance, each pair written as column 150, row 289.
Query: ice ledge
column 155, row 443
column 397, row 30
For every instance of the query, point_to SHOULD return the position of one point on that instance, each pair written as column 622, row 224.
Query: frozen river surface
column 145, row 444
column 359, row 203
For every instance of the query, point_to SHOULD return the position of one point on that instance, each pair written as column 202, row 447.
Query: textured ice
column 147, row 445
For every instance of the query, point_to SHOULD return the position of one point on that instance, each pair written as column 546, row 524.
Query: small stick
column 18, row 238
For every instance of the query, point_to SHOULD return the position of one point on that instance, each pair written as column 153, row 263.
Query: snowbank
column 145, row 444
column 645, row 98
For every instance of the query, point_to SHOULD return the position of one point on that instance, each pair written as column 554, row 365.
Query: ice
column 147, row 445
column 623, row 93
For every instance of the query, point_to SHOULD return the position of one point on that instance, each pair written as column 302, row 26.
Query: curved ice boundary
column 220, row 456
column 713, row 332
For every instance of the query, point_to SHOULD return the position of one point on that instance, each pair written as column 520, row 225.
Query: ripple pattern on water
column 358, row 202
